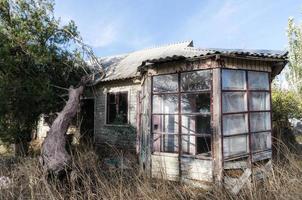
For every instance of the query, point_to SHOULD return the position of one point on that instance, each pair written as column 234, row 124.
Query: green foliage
column 294, row 74
column 36, row 53
column 285, row 105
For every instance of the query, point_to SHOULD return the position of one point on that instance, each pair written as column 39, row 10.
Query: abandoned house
column 190, row 114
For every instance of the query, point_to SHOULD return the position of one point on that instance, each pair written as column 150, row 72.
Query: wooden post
column 217, row 132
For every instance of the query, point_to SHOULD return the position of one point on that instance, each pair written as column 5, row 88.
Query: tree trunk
column 54, row 158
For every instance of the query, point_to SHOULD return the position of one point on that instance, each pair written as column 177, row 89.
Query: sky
column 113, row 27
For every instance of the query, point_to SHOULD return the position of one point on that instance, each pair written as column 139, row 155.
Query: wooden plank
column 235, row 185
column 165, row 167
column 196, row 169
column 262, row 156
column 235, row 165
column 217, row 140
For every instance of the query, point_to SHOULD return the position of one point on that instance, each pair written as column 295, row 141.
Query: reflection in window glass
column 258, row 80
column 261, row 141
column 167, row 103
column 170, row 143
column 234, row 124
column 234, row 102
column 196, row 80
column 259, row 101
column 235, row 145
column 196, row 124
column 195, row 103
column 260, row 121
column 165, row 123
column 165, row 83
column 233, row 80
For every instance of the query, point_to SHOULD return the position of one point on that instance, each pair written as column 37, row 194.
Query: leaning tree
column 39, row 57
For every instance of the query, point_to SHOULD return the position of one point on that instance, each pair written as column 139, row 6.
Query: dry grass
column 89, row 180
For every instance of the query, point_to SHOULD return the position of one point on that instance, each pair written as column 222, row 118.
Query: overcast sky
column 120, row 26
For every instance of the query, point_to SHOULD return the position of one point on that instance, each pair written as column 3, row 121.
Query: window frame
column 106, row 123
column 179, row 133
column 248, row 112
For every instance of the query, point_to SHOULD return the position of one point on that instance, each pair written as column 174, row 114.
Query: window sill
column 198, row 157
column 117, row 125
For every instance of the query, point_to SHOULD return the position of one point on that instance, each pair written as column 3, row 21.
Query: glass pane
column 170, row 143
column 233, row 80
column 259, row 101
column 196, row 80
column 235, row 145
column 195, row 103
column 203, row 146
column 234, row 102
column 260, row 121
column 188, row 144
column 165, row 123
column 122, row 116
column 165, row 83
column 234, row 124
column 157, row 142
column 258, row 80
column 261, row 141
column 196, row 124
column 167, row 103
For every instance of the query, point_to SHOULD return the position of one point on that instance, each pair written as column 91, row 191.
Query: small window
column 117, row 108
column 261, row 141
column 233, row 80
column 258, row 80
column 165, row 83
column 196, row 81
column 234, row 102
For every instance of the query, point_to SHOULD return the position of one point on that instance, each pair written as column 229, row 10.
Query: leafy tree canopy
column 294, row 74
column 37, row 54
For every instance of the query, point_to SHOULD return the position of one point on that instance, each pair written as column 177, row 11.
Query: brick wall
column 121, row 136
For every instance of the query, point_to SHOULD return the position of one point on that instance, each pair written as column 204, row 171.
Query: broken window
column 192, row 90
column 117, row 108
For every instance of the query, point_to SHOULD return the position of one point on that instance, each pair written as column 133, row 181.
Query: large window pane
column 261, row 141
column 203, row 146
column 260, row 121
column 235, row 145
column 165, row 83
column 157, row 142
column 234, row 102
column 167, row 103
column 259, row 101
column 234, row 124
column 170, row 143
column 258, row 80
column 165, row 123
column 188, row 144
column 196, row 80
column 196, row 124
column 233, row 80
column 195, row 103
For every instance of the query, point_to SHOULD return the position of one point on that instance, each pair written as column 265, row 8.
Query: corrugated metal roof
column 126, row 65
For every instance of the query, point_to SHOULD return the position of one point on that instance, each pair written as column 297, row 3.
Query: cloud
column 102, row 35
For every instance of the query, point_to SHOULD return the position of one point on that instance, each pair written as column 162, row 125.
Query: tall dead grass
column 90, row 180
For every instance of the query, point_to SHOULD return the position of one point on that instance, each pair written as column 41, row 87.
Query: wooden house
column 194, row 115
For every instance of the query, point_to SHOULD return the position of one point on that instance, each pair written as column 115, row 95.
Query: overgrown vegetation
column 38, row 57
column 90, row 179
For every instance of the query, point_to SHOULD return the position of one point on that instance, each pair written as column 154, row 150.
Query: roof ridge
column 189, row 42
